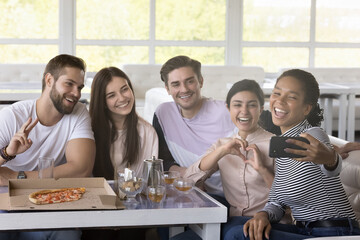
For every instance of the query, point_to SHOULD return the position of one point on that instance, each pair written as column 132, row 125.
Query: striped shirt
column 312, row 192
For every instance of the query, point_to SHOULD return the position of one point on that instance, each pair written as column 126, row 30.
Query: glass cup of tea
column 170, row 177
column 156, row 194
column 184, row 185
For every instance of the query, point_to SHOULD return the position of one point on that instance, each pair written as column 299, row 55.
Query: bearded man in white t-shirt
column 56, row 125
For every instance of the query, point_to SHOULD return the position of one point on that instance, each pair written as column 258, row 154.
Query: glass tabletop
column 195, row 198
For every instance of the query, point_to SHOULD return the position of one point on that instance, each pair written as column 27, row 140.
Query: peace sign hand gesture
column 20, row 141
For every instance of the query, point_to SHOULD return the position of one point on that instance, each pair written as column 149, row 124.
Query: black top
column 266, row 123
column 164, row 152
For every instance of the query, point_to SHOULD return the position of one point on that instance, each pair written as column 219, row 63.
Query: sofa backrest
column 143, row 77
column 216, row 78
column 21, row 72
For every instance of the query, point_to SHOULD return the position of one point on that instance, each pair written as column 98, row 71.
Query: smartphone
column 278, row 144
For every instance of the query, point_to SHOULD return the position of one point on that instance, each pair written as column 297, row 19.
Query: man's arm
column 164, row 152
column 19, row 143
column 348, row 147
column 80, row 157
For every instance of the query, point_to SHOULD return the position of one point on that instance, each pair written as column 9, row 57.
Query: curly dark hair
column 312, row 93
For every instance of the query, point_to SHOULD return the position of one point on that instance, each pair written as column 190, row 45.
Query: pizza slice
column 56, row 195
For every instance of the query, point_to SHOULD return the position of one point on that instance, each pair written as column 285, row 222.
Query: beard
column 57, row 100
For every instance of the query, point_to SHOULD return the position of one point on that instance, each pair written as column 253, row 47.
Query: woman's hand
column 233, row 147
column 257, row 162
column 20, row 141
column 316, row 152
column 257, row 226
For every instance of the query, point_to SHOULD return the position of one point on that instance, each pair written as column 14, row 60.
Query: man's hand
column 257, row 226
column 348, row 147
column 20, row 141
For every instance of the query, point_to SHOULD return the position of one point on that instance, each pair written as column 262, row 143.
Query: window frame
column 233, row 43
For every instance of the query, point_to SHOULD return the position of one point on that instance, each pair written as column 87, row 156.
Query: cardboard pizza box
column 98, row 196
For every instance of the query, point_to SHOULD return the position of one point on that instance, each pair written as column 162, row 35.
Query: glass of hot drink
column 156, row 194
column 183, row 185
column 170, row 176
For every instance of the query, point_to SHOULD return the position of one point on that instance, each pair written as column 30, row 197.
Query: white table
column 203, row 213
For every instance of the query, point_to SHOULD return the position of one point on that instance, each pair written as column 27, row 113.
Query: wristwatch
column 21, row 175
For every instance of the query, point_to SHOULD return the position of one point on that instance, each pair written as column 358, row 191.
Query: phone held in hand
column 278, row 144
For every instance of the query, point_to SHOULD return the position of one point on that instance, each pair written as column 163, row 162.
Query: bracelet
column 5, row 155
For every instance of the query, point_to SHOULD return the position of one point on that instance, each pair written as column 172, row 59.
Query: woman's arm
column 231, row 147
column 258, row 226
column 318, row 152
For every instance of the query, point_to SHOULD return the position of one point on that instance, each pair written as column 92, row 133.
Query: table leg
column 328, row 115
column 327, row 104
column 342, row 116
column 207, row 231
column 351, row 118
column 175, row 230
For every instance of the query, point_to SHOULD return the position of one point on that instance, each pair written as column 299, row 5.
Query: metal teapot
column 153, row 172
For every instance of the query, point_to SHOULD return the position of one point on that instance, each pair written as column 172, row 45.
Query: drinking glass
column 170, row 177
column 130, row 187
column 46, row 167
column 156, row 194
column 184, row 185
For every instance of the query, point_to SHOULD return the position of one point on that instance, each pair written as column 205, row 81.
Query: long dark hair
column 312, row 93
column 104, row 128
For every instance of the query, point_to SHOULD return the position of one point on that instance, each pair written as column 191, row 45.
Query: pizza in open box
column 56, row 195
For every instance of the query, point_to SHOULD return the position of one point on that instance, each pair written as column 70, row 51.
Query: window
column 29, row 31
column 337, row 26
column 271, row 34
column 146, row 31
column 277, row 20
column 289, row 33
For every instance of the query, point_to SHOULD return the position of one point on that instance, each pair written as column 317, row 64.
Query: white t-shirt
column 47, row 141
